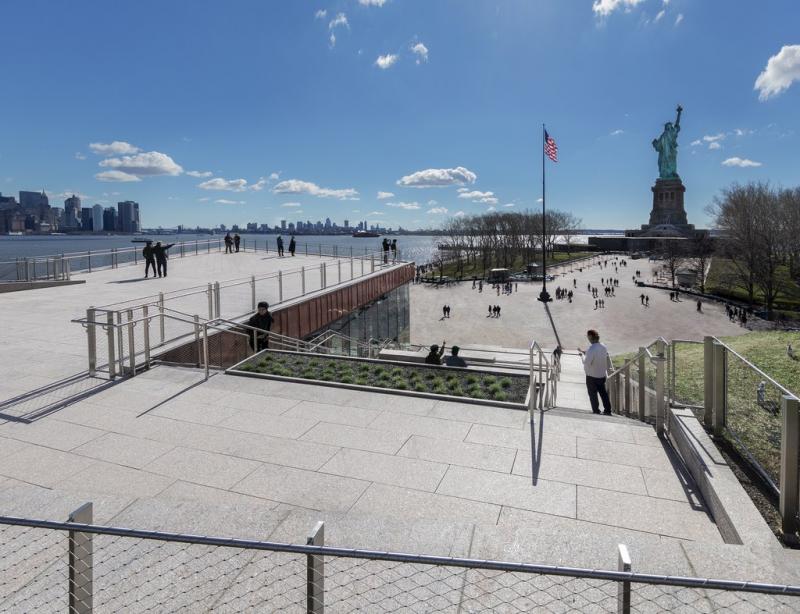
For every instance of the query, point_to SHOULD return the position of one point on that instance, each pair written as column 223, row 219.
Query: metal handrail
column 756, row 369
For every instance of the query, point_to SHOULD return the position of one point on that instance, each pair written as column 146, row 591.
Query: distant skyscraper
column 97, row 218
column 86, row 219
column 283, row 224
column 109, row 219
column 128, row 216
column 347, row 224
column 72, row 212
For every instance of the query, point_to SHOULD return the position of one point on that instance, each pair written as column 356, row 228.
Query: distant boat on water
column 365, row 234
column 17, row 233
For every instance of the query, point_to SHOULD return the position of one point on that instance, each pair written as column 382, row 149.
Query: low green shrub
column 505, row 382
column 495, row 388
column 400, row 384
column 248, row 367
column 437, row 381
column 472, row 379
column 346, row 379
column 499, row 396
column 361, row 381
column 439, row 389
column 364, row 367
column 420, row 387
column 489, row 380
column 457, row 391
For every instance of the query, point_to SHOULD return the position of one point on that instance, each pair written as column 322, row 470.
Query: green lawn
column 719, row 282
column 753, row 425
column 518, row 265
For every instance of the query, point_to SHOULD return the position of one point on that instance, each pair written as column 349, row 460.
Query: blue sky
column 208, row 112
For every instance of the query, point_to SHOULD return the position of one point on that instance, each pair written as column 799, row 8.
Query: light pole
column 543, row 295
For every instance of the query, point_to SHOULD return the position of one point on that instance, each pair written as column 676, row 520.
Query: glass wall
column 388, row 317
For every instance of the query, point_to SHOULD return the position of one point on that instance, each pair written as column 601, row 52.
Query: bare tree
column 673, row 252
column 702, row 250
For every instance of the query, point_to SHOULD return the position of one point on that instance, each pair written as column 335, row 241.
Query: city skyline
column 403, row 113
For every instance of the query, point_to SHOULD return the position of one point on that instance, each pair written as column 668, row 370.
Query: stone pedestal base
column 667, row 204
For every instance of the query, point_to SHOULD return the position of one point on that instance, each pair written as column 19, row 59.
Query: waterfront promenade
column 42, row 346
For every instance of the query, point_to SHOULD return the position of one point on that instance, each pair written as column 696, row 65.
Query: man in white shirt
column 596, row 363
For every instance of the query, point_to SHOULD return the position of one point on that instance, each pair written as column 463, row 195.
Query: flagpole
column 544, row 296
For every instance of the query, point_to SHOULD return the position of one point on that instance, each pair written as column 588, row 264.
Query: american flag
column 550, row 147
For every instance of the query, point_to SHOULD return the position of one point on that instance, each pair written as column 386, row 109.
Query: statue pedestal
column 668, row 217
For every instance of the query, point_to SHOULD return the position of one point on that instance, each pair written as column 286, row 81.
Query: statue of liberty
column 667, row 147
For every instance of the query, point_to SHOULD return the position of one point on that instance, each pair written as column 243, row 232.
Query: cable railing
column 734, row 400
column 81, row 567
column 62, row 266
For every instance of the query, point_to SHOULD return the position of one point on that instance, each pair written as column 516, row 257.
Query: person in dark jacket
column 236, row 240
column 149, row 259
column 434, row 357
column 292, row 245
column 454, row 360
column 228, row 243
column 160, row 252
column 280, row 246
column 261, row 320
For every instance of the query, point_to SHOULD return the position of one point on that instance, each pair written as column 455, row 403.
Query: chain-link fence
column 80, row 568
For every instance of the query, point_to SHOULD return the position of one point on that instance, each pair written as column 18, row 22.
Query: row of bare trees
column 760, row 236
column 501, row 238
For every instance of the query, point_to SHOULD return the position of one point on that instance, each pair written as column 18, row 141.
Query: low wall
column 18, row 286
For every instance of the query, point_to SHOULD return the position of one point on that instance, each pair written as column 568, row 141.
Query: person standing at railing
column 262, row 320
column 149, row 259
column 393, row 247
column 292, row 245
column 236, row 241
column 596, row 363
column 160, row 252
column 279, row 242
column 228, row 243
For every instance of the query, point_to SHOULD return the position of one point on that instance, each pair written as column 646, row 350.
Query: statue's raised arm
column 678, row 119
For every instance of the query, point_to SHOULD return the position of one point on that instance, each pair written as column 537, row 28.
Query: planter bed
column 377, row 375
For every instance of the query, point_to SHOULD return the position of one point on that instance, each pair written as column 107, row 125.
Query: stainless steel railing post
column 161, row 315
column 110, row 344
column 642, row 375
column 303, row 280
column 131, row 344
column 80, row 563
column 322, row 275
column 210, row 293
column 708, row 381
column 339, row 268
column 91, row 337
column 120, row 346
column 146, row 335
column 89, row 256
column 720, row 389
column 205, row 347
column 217, row 300
column 660, row 405
column 315, row 572
column 197, row 339
column 790, row 459
column 253, row 291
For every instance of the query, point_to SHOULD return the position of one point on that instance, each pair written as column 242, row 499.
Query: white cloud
column 204, row 199
column 385, row 195
column 258, row 185
column 695, row 143
column 116, row 148
column 604, row 8
column 386, row 61
column 199, row 173
column 781, row 71
column 710, row 138
column 740, row 162
column 421, row 51
column 438, row 210
column 617, row 132
column 372, row 2
column 407, row 206
column 291, row 205
column 491, row 209
column 438, row 178
column 296, row 186
column 473, row 195
column 274, row 176
column 144, row 164
column 659, row 15
column 679, row 19
column 714, row 145
column 433, row 203
column 115, row 176
column 227, row 185
column 321, row 14
column 79, row 156
column 225, row 201
column 459, row 214
column 339, row 20
column 376, row 213
column 539, row 200
column 509, row 205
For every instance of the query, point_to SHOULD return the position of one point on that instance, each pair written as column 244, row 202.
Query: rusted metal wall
column 301, row 319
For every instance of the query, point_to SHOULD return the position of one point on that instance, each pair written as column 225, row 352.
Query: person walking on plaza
column 292, row 245
column 699, row 306
column 596, row 363
column 236, row 240
column 280, row 246
column 434, row 357
column 262, row 320
column 160, row 252
column 149, row 259
column 228, row 243
column 491, row 310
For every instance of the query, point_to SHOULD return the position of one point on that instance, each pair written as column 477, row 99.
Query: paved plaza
column 624, row 324
column 41, row 346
